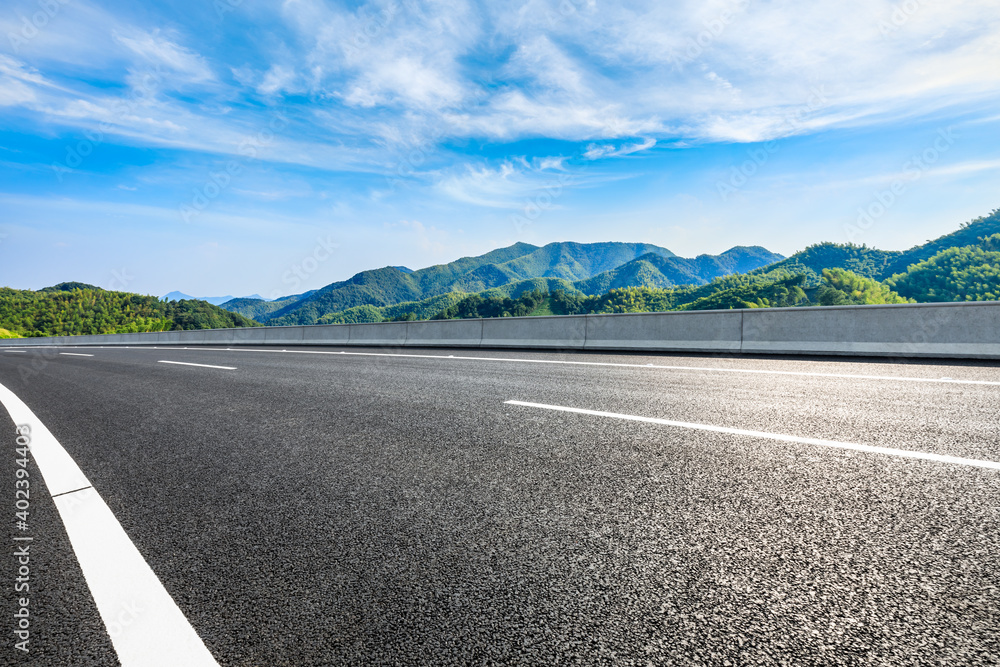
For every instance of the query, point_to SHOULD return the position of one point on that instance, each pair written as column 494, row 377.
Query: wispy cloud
column 161, row 53
column 462, row 105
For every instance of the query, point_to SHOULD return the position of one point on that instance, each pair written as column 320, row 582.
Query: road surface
column 331, row 506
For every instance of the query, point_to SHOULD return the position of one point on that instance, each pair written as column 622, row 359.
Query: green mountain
column 880, row 264
column 55, row 311
column 862, row 260
column 256, row 309
column 968, row 273
column 653, row 270
column 823, row 274
column 506, row 269
column 968, row 234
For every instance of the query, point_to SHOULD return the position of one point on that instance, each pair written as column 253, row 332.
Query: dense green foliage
column 971, row 273
column 475, row 305
column 68, row 287
column 420, row 310
column 842, row 288
column 862, row 260
column 773, row 290
column 7, row 334
column 776, row 294
column 95, row 311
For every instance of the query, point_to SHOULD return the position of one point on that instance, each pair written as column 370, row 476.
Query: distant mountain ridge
column 569, row 262
column 214, row 300
column 652, row 270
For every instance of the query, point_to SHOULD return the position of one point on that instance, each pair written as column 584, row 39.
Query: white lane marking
column 21, row 351
column 184, row 363
column 703, row 369
column 941, row 458
column 124, row 587
column 75, row 354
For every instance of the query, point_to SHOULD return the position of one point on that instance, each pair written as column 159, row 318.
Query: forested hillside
column 823, row 274
column 969, row 234
column 882, row 264
column 970, row 273
column 607, row 263
column 862, row 260
column 76, row 308
column 775, row 290
column 654, row 270
column 573, row 278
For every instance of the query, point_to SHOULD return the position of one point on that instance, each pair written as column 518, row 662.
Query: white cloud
column 598, row 151
column 276, row 80
column 158, row 51
column 516, row 182
column 389, row 75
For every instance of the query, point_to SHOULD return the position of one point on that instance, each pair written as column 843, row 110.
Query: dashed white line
column 120, row 580
column 76, row 354
column 19, row 351
column 927, row 456
column 185, row 363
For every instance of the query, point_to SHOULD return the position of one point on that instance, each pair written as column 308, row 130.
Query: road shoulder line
column 120, row 580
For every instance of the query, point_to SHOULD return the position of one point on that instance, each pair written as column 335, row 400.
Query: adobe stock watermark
column 301, row 270
column 223, row 7
column 541, row 202
column 119, row 622
column 712, row 30
column 900, row 16
column 740, row 175
column 31, row 27
column 82, row 149
column 565, row 9
column 218, row 181
column 912, row 171
column 120, row 280
column 372, row 27
column 414, row 160
column 22, row 541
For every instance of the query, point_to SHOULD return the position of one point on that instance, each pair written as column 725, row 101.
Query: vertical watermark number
column 22, row 540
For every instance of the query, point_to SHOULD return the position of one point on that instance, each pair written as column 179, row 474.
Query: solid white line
column 941, row 458
column 76, row 354
column 701, row 369
column 145, row 625
column 184, row 363
column 705, row 369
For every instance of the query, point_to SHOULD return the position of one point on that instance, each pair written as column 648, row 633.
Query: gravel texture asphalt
column 335, row 509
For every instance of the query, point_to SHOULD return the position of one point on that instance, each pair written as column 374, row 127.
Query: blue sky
column 240, row 146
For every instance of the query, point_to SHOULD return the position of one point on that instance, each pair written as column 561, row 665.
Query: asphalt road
column 328, row 509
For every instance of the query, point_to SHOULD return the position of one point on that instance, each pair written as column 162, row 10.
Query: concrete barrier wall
column 326, row 334
column 391, row 334
column 561, row 332
column 969, row 330
column 911, row 330
column 444, row 333
column 669, row 332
